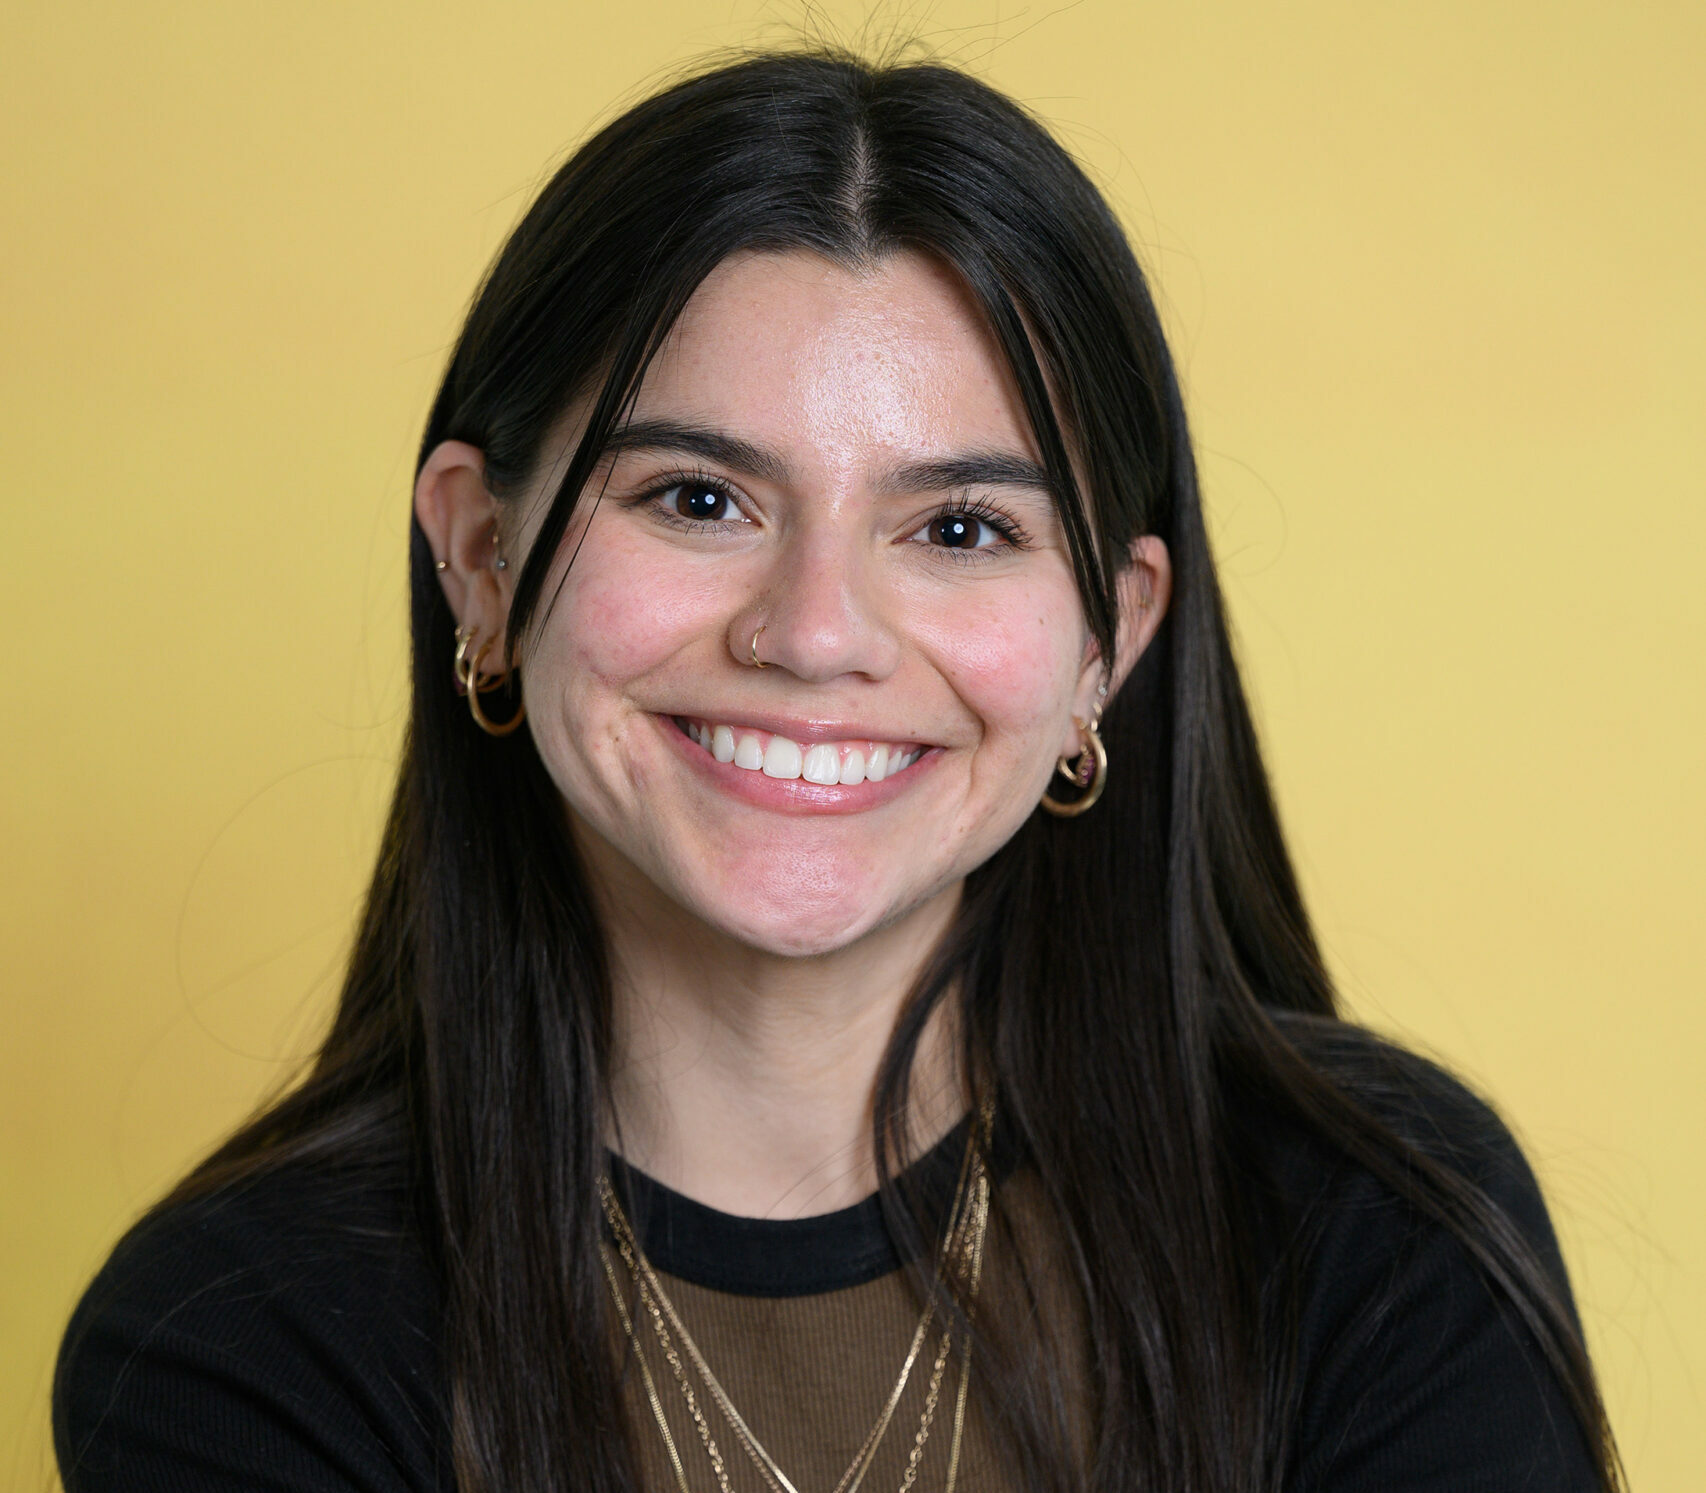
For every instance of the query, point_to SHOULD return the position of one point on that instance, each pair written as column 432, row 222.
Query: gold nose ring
column 757, row 662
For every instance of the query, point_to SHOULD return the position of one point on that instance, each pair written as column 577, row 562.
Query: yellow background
column 1434, row 276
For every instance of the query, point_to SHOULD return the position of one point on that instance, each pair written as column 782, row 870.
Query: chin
column 799, row 928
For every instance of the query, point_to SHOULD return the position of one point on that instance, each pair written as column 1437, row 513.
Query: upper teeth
column 823, row 762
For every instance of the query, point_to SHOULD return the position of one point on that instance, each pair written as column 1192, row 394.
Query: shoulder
column 1431, row 1112
column 1410, row 1354
column 281, row 1330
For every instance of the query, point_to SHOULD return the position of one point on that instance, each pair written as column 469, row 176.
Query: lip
column 796, row 795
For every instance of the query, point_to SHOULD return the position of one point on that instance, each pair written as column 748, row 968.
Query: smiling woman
column 793, row 1042
column 853, row 625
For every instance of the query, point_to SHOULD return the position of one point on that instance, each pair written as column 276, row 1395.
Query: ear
column 1142, row 592
column 460, row 519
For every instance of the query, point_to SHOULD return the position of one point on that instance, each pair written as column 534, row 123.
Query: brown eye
column 959, row 531
column 697, row 500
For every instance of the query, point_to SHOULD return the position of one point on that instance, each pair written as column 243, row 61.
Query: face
column 829, row 471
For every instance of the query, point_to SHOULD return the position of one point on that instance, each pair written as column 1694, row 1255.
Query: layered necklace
column 961, row 1253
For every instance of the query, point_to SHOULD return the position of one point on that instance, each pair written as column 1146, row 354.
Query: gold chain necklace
column 659, row 1307
column 958, row 1249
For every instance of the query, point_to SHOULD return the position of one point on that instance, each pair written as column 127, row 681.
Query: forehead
column 856, row 365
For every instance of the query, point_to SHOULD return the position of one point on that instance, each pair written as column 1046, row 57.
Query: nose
column 824, row 610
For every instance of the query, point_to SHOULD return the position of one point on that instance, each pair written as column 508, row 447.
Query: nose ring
column 757, row 662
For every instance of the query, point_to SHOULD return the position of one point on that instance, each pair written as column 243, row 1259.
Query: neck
column 744, row 1079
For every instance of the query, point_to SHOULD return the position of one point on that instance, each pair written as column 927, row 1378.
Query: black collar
column 786, row 1256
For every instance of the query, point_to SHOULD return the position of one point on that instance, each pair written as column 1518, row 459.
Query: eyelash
column 1010, row 530
column 667, row 484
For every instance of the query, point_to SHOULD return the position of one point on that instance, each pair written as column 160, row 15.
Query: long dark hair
column 1132, row 981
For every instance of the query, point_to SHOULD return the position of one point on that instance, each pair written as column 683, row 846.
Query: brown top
column 810, row 1376
column 806, row 1324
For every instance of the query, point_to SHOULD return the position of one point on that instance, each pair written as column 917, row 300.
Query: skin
column 765, row 934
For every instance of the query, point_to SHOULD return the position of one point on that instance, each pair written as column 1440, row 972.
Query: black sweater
column 284, row 1334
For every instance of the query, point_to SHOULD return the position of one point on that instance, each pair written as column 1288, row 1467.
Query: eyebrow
column 699, row 440
column 968, row 469
column 973, row 469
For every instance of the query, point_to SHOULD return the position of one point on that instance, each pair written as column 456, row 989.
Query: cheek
column 1013, row 660
column 625, row 611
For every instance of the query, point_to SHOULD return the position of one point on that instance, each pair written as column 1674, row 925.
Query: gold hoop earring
column 468, row 675
column 459, row 664
column 757, row 662
column 1089, row 771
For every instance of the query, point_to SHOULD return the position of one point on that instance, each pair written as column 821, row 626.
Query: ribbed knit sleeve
column 254, row 1341
column 1414, row 1373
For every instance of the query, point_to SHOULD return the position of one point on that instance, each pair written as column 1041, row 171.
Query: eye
column 967, row 527
column 698, row 501
column 959, row 531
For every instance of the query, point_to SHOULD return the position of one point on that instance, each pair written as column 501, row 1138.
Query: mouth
column 843, row 763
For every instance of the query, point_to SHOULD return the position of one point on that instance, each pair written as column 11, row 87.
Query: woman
column 833, row 1009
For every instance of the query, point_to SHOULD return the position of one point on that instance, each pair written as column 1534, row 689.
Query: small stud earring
column 502, row 564
column 441, row 565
